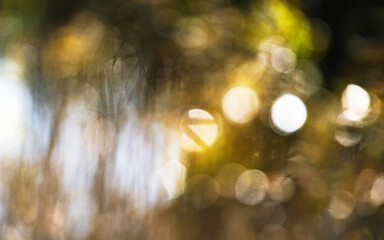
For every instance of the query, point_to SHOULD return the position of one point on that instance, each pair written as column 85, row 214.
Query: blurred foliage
column 176, row 119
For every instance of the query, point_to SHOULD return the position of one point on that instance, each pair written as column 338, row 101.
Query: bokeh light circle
column 251, row 187
column 198, row 131
column 281, row 189
column 240, row 105
column 355, row 102
column 341, row 205
column 288, row 113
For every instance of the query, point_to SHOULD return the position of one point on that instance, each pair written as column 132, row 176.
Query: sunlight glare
column 14, row 106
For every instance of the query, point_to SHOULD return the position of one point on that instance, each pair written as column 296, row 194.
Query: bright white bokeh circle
column 355, row 102
column 288, row 113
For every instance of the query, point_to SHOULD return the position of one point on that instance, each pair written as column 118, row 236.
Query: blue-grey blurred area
column 174, row 119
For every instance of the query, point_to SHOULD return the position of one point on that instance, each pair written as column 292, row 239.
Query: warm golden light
column 74, row 45
column 173, row 177
column 198, row 131
column 355, row 102
column 341, row 205
column 251, row 187
column 289, row 113
column 193, row 34
column 240, row 105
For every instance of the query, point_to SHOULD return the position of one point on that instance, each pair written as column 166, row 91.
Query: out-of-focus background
column 174, row 119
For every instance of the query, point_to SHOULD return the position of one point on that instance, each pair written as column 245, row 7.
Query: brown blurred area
column 173, row 119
